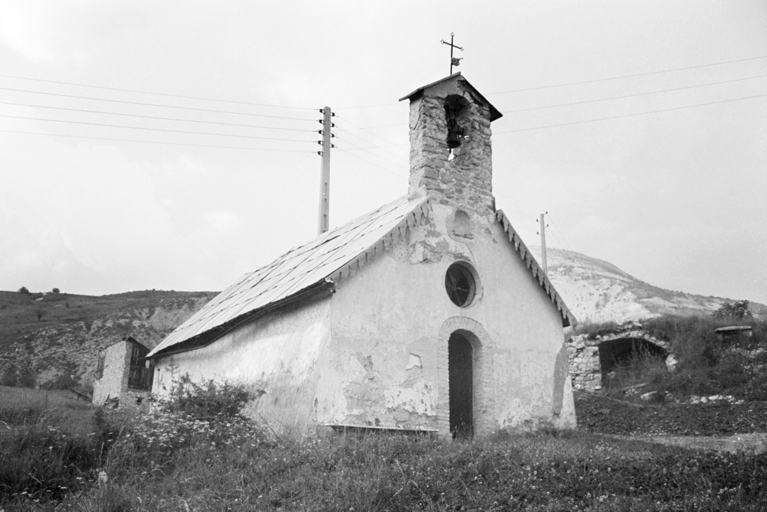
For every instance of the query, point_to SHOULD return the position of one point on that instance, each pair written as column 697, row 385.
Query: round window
column 460, row 284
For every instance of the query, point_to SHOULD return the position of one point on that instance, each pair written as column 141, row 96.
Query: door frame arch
column 483, row 399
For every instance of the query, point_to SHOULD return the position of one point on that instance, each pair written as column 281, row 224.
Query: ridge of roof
column 568, row 319
column 494, row 112
column 331, row 255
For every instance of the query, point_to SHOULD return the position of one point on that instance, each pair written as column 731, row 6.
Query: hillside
column 598, row 291
column 58, row 335
column 55, row 336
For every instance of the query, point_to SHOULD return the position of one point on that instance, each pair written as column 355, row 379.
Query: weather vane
column 454, row 61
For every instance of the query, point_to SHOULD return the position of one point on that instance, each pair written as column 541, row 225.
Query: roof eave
column 494, row 112
column 210, row 336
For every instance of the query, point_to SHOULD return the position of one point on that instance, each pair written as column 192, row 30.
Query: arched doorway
column 616, row 352
column 461, row 385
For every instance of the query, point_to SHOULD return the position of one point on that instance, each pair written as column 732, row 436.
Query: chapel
column 428, row 314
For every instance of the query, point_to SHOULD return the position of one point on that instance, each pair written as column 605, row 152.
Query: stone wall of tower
column 465, row 180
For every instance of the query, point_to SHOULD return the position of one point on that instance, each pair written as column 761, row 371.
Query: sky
column 173, row 145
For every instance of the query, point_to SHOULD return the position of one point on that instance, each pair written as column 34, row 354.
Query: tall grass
column 171, row 459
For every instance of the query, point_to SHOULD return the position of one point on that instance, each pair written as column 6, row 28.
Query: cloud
column 222, row 222
column 44, row 32
column 84, row 211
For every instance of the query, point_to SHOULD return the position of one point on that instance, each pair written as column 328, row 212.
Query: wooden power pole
column 327, row 124
column 542, row 222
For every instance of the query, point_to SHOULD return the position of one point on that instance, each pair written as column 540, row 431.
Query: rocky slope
column 598, row 291
column 59, row 336
column 55, row 335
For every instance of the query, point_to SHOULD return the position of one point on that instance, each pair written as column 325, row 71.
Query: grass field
column 167, row 462
column 59, row 453
column 24, row 407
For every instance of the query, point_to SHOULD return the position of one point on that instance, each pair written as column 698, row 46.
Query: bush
column 733, row 311
column 55, row 290
column 24, row 290
column 207, row 401
column 26, row 378
column 10, row 376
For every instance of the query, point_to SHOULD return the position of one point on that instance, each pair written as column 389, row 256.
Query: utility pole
column 454, row 61
column 542, row 222
column 327, row 124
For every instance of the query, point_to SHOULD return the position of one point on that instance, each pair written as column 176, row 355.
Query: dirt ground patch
column 739, row 443
column 598, row 413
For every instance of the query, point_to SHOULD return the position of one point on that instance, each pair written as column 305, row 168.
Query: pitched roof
column 329, row 256
column 494, row 112
column 297, row 271
column 567, row 317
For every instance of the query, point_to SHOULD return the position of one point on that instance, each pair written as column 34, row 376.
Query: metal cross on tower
column 454, row 61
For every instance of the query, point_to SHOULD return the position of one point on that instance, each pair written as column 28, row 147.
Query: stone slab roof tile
column 297, row 270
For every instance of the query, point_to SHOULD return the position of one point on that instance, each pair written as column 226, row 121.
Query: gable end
column 568, row 319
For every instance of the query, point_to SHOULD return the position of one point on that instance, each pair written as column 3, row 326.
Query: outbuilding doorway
column 461, row 386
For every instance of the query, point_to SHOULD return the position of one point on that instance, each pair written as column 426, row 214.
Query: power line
column 152, row 129
column 358, row 148
column 343, row 119
column 156, row 142
column 368, row 106
column 363, row 129
column 196, row 109
column 633, row 95
column 372, row 127
column 629, row 76
column 154, row 117
column 632, row 115
column 153, row 93
column 371, row 163
column 561, row 237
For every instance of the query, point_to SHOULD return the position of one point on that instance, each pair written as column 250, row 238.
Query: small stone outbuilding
column 428, row 314
column 593, row 355
column 123, row 377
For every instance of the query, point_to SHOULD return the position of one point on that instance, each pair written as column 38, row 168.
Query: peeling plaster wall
column 276, row 356
column 114, row 380
column 391, row 320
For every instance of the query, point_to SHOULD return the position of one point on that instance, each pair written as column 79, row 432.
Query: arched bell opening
column 456, row 121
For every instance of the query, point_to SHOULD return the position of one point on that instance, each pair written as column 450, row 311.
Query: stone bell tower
column 450, row 148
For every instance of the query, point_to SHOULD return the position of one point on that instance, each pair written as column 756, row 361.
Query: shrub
column 24, row 290
column 26, row 378
column 10, row 376
column 733, row 311
column 55, row 290
column 207, row 400
column 206, row 414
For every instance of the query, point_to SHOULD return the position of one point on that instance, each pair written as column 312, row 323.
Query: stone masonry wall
column 583, row 354
column 466, row 179
column 115, row 377
column 113, row 383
